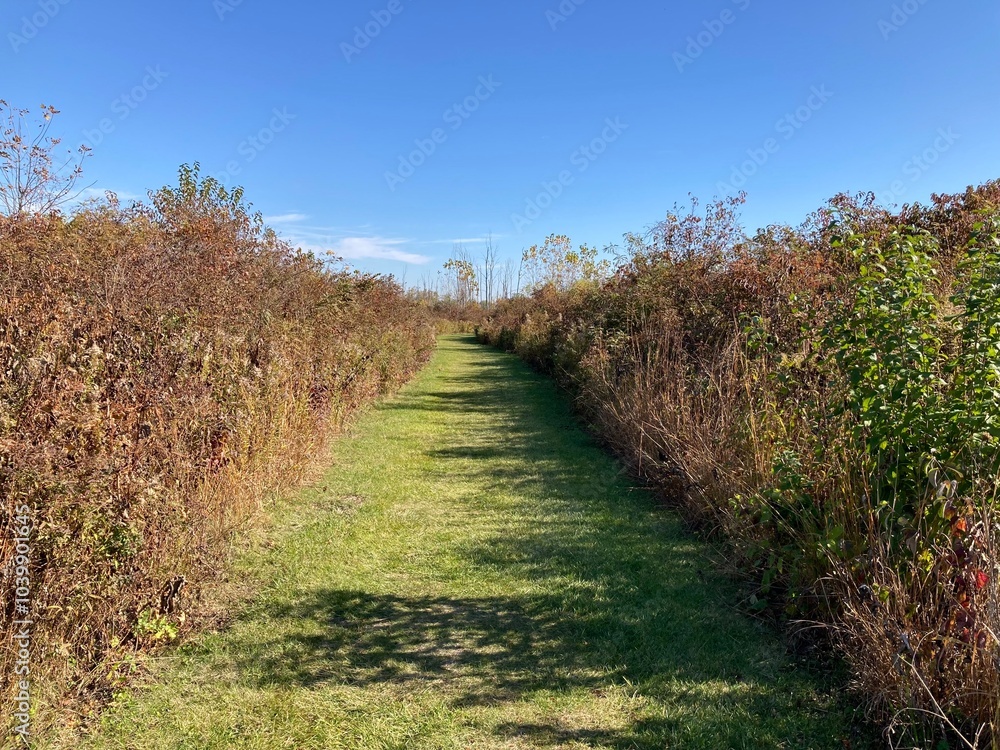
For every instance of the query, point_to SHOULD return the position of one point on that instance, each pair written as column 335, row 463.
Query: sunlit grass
column 474, row 572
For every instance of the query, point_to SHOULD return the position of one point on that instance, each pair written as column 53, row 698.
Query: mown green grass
column 474, row 572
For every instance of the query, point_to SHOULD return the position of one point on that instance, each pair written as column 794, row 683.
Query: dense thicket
column 827, row 399
column 163, row 367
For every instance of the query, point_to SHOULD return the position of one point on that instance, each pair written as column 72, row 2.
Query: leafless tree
column 429, row 284
column 31, row 180
column 489, row 271
column 521, row 274
column 507, row 277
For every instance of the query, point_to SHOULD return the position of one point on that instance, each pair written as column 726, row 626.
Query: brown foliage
column 162, row 368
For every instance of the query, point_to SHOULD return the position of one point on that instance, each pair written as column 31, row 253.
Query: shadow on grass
column 624, row 604
column 487, row 652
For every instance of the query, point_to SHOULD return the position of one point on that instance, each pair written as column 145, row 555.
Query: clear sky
column 387, row 129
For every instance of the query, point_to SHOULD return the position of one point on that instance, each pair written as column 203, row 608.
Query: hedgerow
column 164, row 367
column 826, row 399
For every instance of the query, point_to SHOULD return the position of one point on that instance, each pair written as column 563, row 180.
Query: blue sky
column 385, row 130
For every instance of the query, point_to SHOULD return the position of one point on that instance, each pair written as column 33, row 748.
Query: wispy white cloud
column 360, row 248
column 357, row 248
column 349, row 243
column 460, row 240
column 321, row 233
column 285, row 218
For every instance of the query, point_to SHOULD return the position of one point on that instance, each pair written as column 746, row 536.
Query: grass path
column 473, row 572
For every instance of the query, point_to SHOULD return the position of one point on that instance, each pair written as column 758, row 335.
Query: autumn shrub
column 449, row 316
column 825, row 399
column 163, row 368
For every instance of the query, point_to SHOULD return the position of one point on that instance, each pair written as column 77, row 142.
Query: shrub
column 163, row 367
column 825, row 399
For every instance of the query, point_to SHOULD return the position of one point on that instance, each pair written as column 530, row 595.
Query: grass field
column 473, row 571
